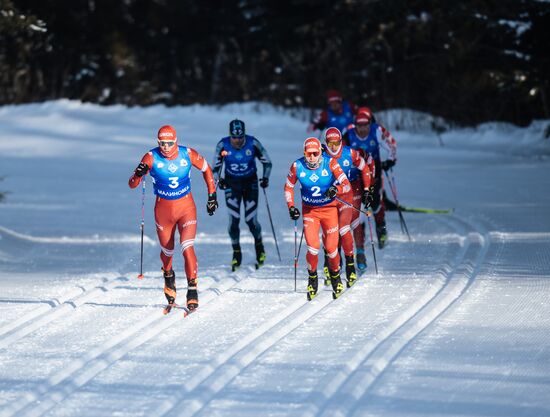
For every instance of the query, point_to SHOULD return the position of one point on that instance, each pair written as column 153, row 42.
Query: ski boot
column 192, row 295
column 260, row 254
column 237, row 258
column 312, row 285
column 351, row 275
column 169, row 289
column 361, row 261
column 336, row 282
column 381, row 234
column 326, row 271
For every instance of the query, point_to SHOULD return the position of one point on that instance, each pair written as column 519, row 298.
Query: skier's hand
column 222, row 183
column 368, row 197
column 212, row 204
column 264, row 182
column 141, row 169
column 294, row 213
column 331, row 192
column 387, row 164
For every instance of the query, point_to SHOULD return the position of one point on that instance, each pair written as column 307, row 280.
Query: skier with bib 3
column 320, row 179
column 238, row 153
column 169, row 165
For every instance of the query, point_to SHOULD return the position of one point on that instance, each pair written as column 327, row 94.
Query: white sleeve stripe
column 204, row 165
column 289, row 183
column 341, row 178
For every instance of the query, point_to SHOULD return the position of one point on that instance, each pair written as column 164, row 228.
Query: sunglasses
column 168, row 143
column 312, row 154
column 362, row 124
column 333, row 143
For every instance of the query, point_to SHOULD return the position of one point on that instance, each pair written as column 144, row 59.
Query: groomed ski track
column 244, row 352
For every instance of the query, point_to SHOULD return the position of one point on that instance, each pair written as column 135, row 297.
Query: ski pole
column 140, row 276
column 271, row 221
column 368, row 214
column 296, row 251
column 372, row 245
column 393, row 189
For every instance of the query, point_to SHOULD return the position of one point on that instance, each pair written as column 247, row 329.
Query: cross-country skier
column 360, row 173
column 375, row 140
column 169, row 165
column 320, row 179
column 338, row 113
column 238, row 153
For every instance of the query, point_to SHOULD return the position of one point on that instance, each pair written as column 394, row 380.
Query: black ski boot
column 312, row 285
column 237, row 258
column 336, row 282
column 382, row 234
column 351, row 275
column 326, row 271
column 169, row 288
column 260, row 254
column 192, row 295
column 361, row 260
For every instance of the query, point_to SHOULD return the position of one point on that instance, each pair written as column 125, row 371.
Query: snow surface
column 456, row 323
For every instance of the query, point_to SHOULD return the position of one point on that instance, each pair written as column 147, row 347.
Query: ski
column 169, row 307
column 426, row 210
column 392, row 206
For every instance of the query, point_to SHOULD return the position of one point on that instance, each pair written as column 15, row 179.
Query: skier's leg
column 311, row 234
column 250, row 199
column 346, row 240
column 166, row 228
column 233, row 198
column 187, row 227
column 329, row 223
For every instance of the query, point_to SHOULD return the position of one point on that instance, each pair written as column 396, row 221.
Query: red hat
column 332, row 134
column 363, row 115
column 312, row 145
column 167, row 133
column 334, row 95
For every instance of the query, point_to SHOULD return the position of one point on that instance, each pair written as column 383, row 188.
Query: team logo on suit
column 314, row 178
column 172, row 168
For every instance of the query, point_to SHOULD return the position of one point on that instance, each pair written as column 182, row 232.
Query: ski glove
column 212, row 204
column 331, row 192
column 141, row 169
column 368, row 196
column 222, row 183
column 264, row 182
column 294, row 213
column 387, row 164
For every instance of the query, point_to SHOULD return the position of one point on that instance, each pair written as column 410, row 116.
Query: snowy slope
column 456, row 323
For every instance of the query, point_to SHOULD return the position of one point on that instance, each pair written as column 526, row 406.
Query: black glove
column 368, row 197
column 222, row 183
column 141, row 169
column 294, row 213
column 264, row 182
column 387, row 164
column 212, row 204
column 331, row 192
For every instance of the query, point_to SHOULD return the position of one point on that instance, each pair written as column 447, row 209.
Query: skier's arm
column 362, row 166
column 200, row 163
column 135, row 179
column 262, row 155
column 320, row 121
column 218, row 160
column 387, row 142
column 343, row 183
column 291, row 179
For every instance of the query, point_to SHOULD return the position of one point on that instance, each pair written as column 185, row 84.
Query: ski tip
column 140, row 276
